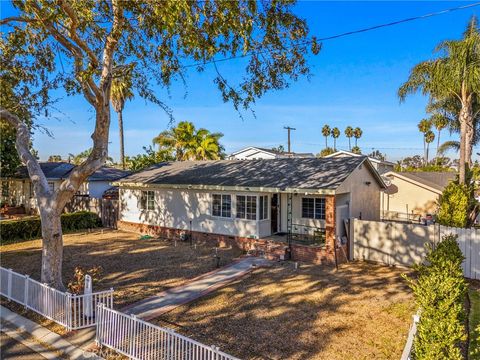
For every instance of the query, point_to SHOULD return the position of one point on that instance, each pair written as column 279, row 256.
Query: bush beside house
column 440, row 291
column 25, row 229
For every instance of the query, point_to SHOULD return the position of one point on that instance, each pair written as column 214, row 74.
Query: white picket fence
column 137, row 339
column 69, row 310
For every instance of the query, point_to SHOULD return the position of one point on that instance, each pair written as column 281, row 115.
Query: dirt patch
column 362, row 311
column 135, row 267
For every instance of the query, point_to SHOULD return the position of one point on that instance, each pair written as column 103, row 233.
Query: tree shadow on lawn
column 360, row 311
column 135, row 268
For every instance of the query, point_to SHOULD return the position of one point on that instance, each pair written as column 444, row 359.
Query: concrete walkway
column 163, row 302
column 15, row 324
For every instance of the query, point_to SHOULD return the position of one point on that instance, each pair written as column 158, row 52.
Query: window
column 222, row 205
column 263, row 207
column 313, row 208
column 147, row 200
column 246, row 207
column 51, row 185
column 5, row 188
column 31, row 193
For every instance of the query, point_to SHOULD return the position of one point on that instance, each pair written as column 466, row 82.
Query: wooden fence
column 69, row 310
column 107, row 209
column 396, row 243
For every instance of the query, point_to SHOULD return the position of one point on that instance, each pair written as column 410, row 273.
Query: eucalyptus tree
column 455, row 72
column 357, row 134
column 121, row 92
column 335, row 135
column 326, row 134
column 349, row 134
column 81, row 46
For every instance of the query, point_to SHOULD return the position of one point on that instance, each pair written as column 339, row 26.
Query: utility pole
column 288, row 128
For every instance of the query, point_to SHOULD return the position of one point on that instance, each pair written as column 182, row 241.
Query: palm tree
column 349, row 134
column 424, row 126
column 326, row 133
column 121, row 92
column 188, row 143
column 335, row 135
column 357, row 134
column 440, row 122
column 429, row 137
column 455, row 73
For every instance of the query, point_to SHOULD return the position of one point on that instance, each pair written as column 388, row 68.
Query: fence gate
column 109, row 213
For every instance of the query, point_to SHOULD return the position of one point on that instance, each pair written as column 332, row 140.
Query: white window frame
column 315, row 201
column 51, row 186
column 147, row 200
column 248, row 201
column 5, row 189
column 224, row 213
column 263, row 207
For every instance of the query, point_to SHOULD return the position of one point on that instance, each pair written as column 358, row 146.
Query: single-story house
column 17, row 190
column 256, row 153
column 382, row 166
column 301, row 201
column 412, row 195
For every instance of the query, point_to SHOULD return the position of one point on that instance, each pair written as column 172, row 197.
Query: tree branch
column 22, row 143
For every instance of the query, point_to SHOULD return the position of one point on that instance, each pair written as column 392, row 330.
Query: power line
column 348, row 33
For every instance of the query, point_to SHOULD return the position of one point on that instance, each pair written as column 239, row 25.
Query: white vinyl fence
column 70, row 310
column 407, row 350
column 395, row 243
column 137, row 339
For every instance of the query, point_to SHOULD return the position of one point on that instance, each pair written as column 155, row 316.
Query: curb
column 43, row 335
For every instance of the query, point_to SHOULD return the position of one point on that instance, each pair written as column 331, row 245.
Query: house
column 255, row 153
column 412, row 195
column 382, row 166
column 299, row 201
column 17, row 190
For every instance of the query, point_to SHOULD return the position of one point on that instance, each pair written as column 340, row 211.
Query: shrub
column 325, row 152
column 30, row 228
column 454, row 205
column 77, row 284
column 440, row 291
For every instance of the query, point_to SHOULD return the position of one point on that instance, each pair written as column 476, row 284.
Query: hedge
column 440, row 291
column 26, row 229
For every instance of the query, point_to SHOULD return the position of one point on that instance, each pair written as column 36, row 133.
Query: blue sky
column 355, row 81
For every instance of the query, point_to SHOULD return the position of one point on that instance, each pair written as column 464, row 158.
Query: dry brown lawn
column 361, row 311
column 135, row 268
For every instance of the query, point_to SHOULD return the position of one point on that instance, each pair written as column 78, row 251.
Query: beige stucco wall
column 364, row 199
column 176, row 208
column 406, row 197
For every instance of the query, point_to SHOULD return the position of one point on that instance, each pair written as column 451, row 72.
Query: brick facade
column 310, row 254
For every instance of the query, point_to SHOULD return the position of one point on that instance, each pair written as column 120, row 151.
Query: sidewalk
column 51, row 343
column 163, row 302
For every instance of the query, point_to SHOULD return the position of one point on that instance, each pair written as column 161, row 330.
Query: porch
column 300, row 235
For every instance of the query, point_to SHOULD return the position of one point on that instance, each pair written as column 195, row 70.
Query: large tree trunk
column 52, row 246
column 466, row 121
column 122, row 145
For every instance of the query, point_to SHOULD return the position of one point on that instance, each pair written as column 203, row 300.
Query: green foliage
column 185, row 142
column 356, row 149
column 439, row 291
column 357, row 134
column 455, row 205
column 151, row 157
column 25, row 229
column 9, row 159
column 326, row 151
column 474, row 324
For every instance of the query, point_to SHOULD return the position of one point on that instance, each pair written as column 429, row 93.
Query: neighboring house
column 412, row 195
column 304, row 201
column 18, row 190
column 382, row 166
column 256, row 153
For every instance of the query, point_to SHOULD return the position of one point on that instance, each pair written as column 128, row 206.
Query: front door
column 274, row 213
